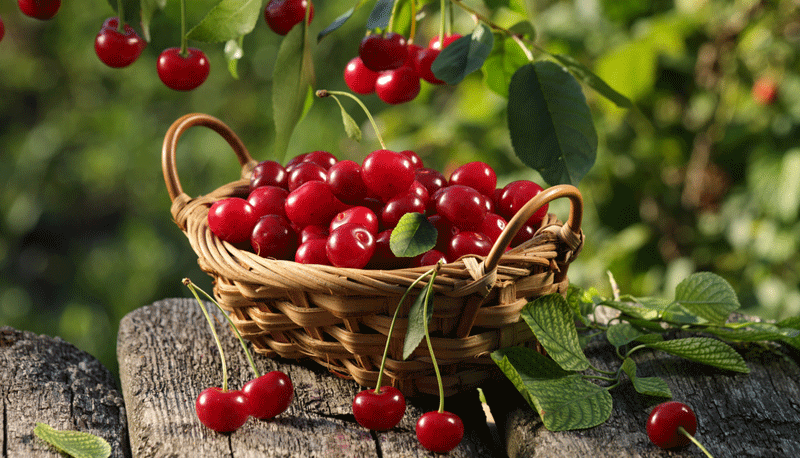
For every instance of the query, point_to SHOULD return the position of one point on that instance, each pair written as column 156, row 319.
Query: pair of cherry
column 382, row 409
column 390, row 67
column 263, row 397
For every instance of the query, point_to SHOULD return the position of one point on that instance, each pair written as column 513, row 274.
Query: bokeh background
column 703, row 175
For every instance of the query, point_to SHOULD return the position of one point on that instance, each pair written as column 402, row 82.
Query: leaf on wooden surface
column 650, row 386
column 704, row 350
column 78, row 444
column 551, row 320
column 550, row 123
column 708, row 296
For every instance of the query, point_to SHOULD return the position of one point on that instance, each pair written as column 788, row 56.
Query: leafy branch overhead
column 564, row 388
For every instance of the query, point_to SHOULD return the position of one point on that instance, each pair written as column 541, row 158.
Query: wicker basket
column 340, row 317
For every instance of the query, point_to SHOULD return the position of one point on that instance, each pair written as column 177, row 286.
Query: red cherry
column 282, row 15
column 182, row 73
column 448, row 39
column 269, row 395
column 380, row 410
column 432, row 179
column 232, row 219
column 765, row 91
column 118, row 49
column 429, row 258
column 416, row 161
column 305, row 172
column 323, row 159
column 357, row 215
column 350, row 245
column 358, row 77
column 39, row 9
column 422, row 64
column 387, row 173
column 477, row 175
column 2, row 29
column 663, row 423
column 444, row 231
column 312, row 252
column 345, row 181
column 312, row 232
column 295, row 160
column 465, row 243
column 399, row 85
column 268, row 173
column 383, row 52
column 222, row 411
column 524, row 234
column 268, row 200
column 398, row 206
column 515, row 195
column 273, row 237
column 439, row 432
column 461, row 205
column 493, row 225
column 312, row 203
column 383, row 257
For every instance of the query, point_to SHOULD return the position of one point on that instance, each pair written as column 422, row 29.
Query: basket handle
column 572, row 228
column 174, row 133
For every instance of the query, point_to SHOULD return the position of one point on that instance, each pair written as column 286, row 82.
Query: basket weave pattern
column 340, row 317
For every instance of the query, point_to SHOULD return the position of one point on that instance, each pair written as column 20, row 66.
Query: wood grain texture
column 48, row 380
column 167, row 356
column 739, row 415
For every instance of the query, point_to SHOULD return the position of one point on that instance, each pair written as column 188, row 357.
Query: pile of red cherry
column 390, row 67
column 319, row 210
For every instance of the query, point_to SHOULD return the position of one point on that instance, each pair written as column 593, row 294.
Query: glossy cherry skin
column 268, row 173
column 182, row 73
column 269, row 395
column 435, row 43
column 344, row 179
column 222, row 411
column 313, row 203
column 304, row 172
column 429, row 258
column 466, row 242
column 117, row 49
column 398, row 206
column 433, row 180
column 387, row 173
column 440, row 432
column 39, row 9
column 461, row 205
column 324, row 159
column 444, row 231
column 493, row 225
column 273, row 237
column 663, row 423
column 232, row 219
column 357, row 215
column 312, row 232
column 399, row 85
column 412, row 156
column 383, row 52
column 313, row 251
column 268, row 200
column 515, row 195
column 358, row 77
column 381, row 410
column 282, row 15
column 477, row 175
column 350, row 245
column 422, row 64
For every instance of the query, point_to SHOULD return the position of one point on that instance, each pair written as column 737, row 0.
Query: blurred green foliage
column 700, row 176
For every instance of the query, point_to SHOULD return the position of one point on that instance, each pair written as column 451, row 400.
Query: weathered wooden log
column 48, row 380
column 739, row 415
column 167, row 356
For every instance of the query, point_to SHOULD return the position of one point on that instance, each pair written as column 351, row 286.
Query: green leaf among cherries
column 228, row 20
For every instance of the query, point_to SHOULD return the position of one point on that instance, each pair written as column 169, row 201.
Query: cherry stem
column 120, row 17
column 413, row 31
column 214, row 332
column 428, row 337
column 184, row 41
column 247, row 353
column 327, row 93
column 442, row 22
column 694, row 441
column 391, row 328
column 517, row 37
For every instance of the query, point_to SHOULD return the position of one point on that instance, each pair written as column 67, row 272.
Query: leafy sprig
column 564, row 387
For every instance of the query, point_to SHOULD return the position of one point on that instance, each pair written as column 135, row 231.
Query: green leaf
column 620, row 334
column 380, row 15
column 792, row 323
column 75, row 443
column 412, row 236
column 350, row 126
column 234, row 52
column 339, row 21
column 704, row 350
column 678, row 314
column 650, row 386
column 149, row 8
column 753, row 332
column 563, row 399
column 228, row 20
column 587, row 77
column 551, row 320
column 708, row 296
column 506, row 57
column 464, row 55
column 130, row 8
column 418, row 318
column 633, row 310
column 294, row 75
column 550, row 123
